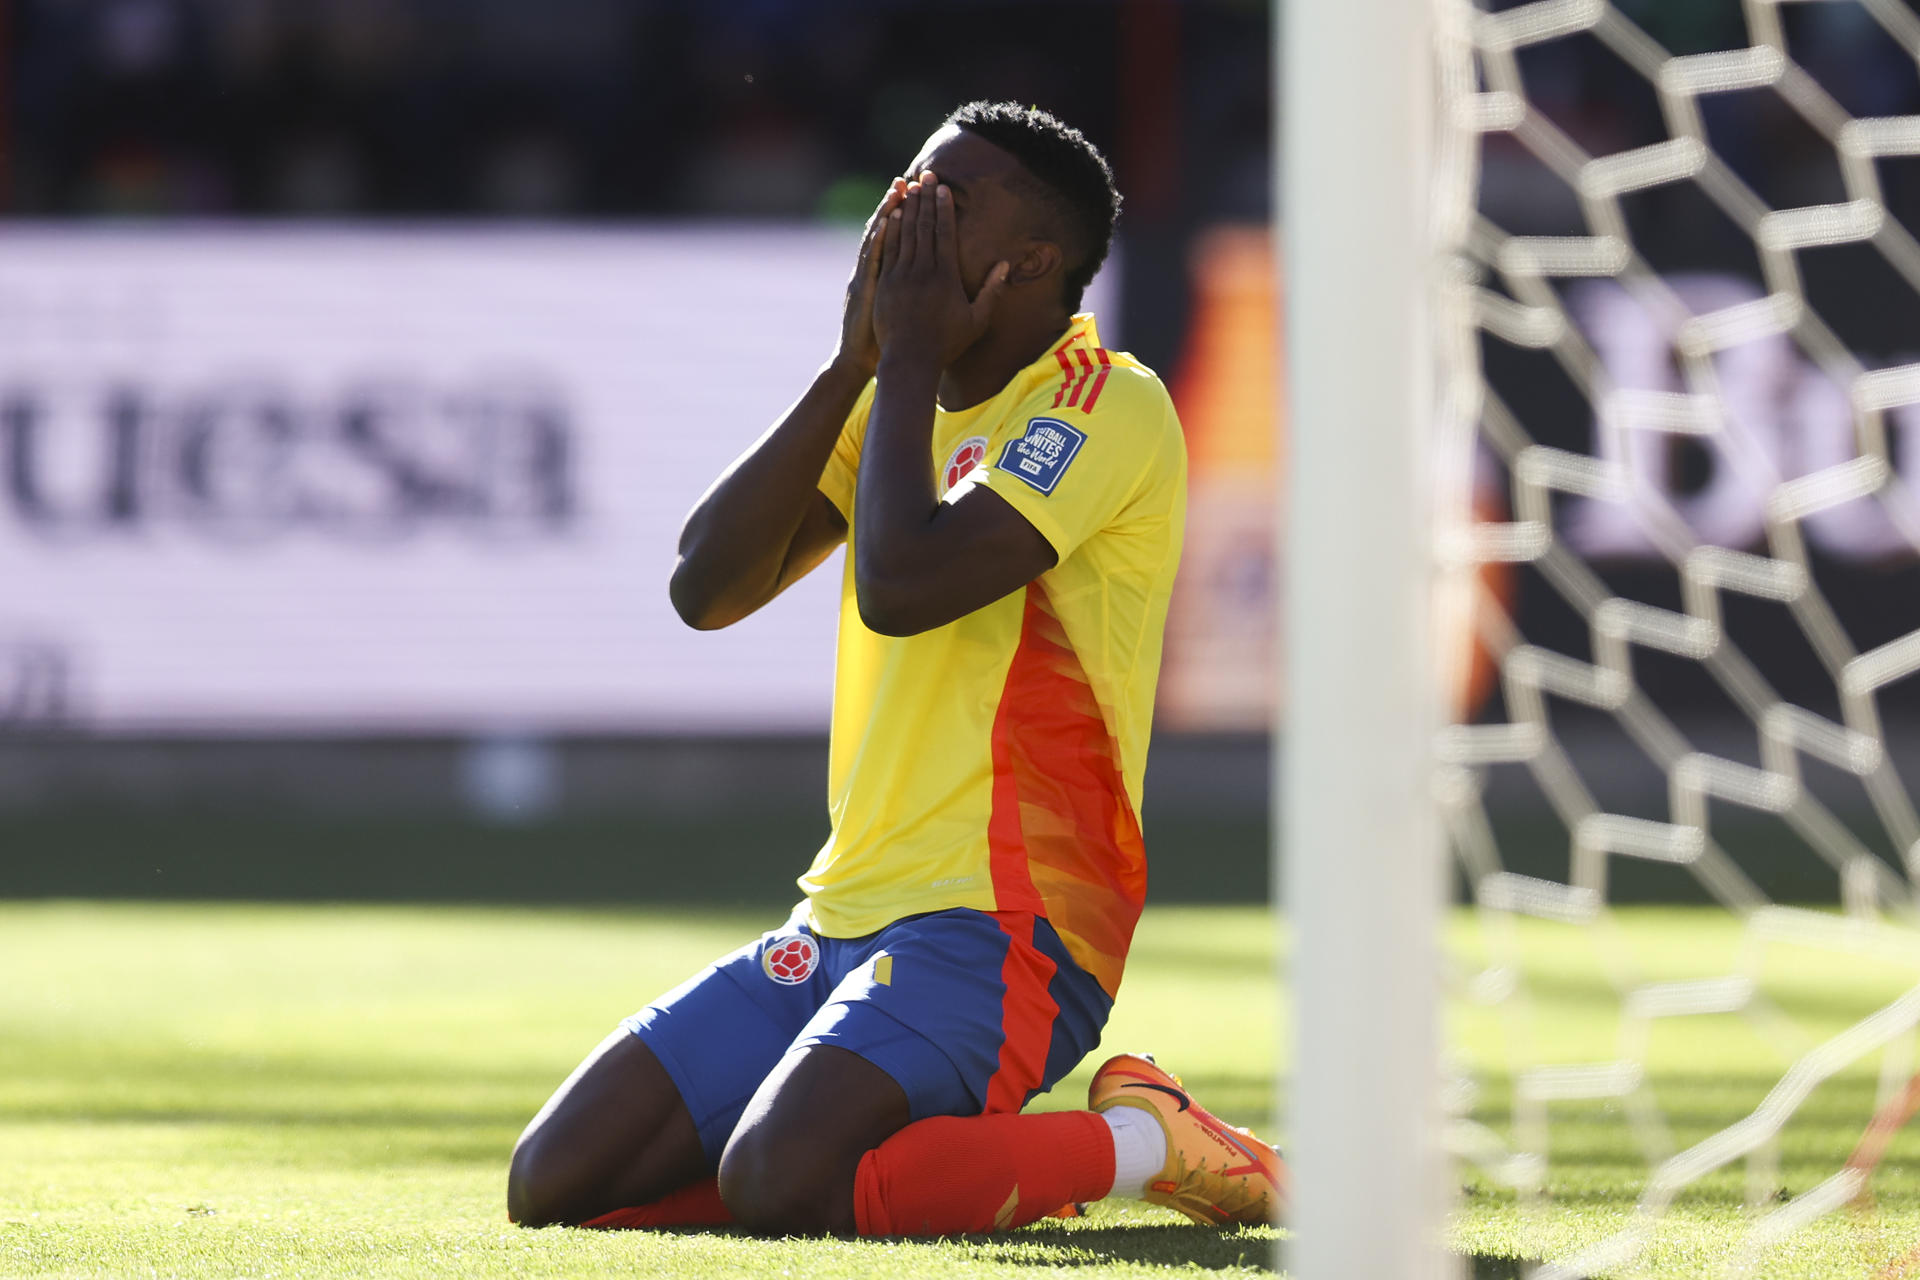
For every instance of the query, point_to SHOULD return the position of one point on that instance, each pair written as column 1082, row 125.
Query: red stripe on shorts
column 1027, row 1015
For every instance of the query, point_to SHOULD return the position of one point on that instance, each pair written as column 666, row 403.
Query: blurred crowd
column 752, row 107
column 801, row 109
column 620, row 108
column 587, row 107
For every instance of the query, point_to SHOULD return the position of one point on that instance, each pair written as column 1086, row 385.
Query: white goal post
column 1359, row 863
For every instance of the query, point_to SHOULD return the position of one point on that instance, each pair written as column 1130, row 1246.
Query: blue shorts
column 968, row 1011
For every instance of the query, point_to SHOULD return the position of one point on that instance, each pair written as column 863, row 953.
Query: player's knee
column 782, row 1187
column 532, row 1186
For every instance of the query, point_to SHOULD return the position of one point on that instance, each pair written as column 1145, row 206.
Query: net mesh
column 1680, row 303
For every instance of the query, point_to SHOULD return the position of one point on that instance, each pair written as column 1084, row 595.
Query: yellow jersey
column 996, row 762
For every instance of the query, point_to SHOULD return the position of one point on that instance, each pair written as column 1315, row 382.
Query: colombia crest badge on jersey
column 791, row 961
column 967, row 455
column 1042, row 455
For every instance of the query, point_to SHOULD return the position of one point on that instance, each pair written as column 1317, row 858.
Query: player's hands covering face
column 920, row 305
column 859, row 349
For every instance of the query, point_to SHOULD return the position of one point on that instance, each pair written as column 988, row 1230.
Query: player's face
column 993, row 222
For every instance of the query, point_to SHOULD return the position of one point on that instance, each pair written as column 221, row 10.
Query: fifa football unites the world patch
column 1042, row 455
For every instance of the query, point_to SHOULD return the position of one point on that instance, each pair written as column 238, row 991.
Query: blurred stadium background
column 358, row 359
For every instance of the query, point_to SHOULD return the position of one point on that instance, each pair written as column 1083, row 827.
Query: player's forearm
column 738, row 537
column 893, row 554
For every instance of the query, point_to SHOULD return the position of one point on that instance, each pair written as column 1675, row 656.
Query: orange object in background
column 1219, row 668
column 1220, row 672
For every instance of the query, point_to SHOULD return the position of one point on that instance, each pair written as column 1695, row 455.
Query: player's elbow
column 885, row 624
column 698, row 605
column 892, row 592
column 701, row 615
column 896, row 615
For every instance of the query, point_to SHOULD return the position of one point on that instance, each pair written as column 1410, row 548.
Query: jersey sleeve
column 1071, row 473
column 842, row 471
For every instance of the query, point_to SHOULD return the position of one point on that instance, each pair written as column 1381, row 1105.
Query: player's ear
column 1041, row 260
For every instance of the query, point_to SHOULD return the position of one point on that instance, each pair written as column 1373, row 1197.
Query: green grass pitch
column 298, row 1091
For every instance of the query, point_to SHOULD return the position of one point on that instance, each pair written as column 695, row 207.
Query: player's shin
column 951, row 1174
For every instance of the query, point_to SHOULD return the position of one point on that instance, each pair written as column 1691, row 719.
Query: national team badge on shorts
column 967, row 455
column 791, row 961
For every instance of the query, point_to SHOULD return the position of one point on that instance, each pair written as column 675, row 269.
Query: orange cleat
column 1216, row 1173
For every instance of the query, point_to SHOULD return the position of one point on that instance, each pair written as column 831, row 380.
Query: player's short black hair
column 1070, row 178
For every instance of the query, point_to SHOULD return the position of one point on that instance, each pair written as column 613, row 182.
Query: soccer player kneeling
column 1012, row 495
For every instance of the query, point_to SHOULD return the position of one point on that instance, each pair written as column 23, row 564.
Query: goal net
column 1665, row 366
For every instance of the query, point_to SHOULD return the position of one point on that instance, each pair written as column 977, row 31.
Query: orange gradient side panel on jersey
column 1063, row 834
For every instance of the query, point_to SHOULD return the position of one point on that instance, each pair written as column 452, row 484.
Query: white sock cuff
column 1139, row 1150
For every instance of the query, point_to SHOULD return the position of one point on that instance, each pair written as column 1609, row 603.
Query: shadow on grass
column 1167, row 1243
column 1183, row 1245
column 1186, row 1245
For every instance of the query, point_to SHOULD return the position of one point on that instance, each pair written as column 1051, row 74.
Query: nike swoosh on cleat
column 1162, row 1088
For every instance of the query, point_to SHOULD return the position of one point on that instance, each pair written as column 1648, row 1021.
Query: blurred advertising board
column 1789, row 417
column 417, row 480
column 429, row 480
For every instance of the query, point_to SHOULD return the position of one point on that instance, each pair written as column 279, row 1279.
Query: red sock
column 695, row 1205
column 952, row 1174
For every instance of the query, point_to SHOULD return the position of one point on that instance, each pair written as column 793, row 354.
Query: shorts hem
column 689, row 1096
column 899, row 1063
